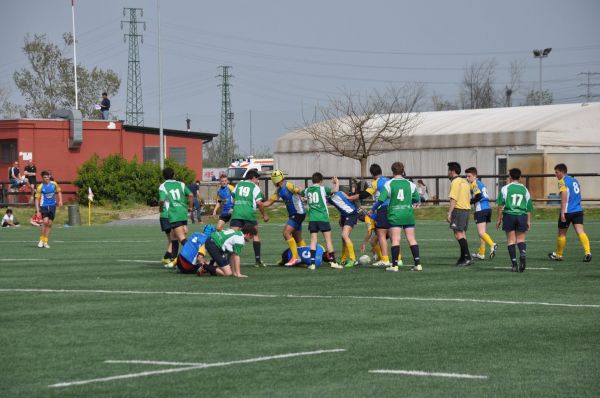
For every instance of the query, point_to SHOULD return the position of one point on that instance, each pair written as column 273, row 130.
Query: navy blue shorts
column 295, row 221
column 514, row 223
column 402, row 226
column 216, row 254
column 319, row 226
column 381, row 222
column 240, row 223
column 575, row 218
column 483, row 216
column 349, row 220
column 178, row 224
column 48, row 212
column 165, row 225
column 225, row 217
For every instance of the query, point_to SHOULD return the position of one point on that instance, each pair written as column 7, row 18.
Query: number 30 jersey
column 515, row 198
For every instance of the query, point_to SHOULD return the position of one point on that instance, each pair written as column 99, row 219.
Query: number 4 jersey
column 515, row 198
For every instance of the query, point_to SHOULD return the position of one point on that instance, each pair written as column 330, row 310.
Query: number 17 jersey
column 515, row 198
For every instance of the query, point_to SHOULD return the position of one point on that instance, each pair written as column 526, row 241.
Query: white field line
column 80, row 241
column 300, row 296
column 140, row 261
column 427, row 374
column 196, row 366
column 528, row 268
column 22, row 259
column 143, row 362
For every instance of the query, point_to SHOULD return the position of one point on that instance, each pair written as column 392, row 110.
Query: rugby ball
column 364, row 260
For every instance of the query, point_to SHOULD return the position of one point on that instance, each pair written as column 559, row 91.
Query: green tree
column 533, row 97
column 48, row 84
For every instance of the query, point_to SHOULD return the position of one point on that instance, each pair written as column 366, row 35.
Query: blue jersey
column 571, row 186
column 225, row 198
column 304, row 255
column 377, row 187
column 291, row 198
column 477, row 187
column 47, row 193
column 190, row 250
column 341, row 202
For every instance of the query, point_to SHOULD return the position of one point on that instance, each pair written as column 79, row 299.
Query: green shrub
column 118, row 181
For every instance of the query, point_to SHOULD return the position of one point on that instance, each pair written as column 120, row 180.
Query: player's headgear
column 277, row 176
column 208, row 229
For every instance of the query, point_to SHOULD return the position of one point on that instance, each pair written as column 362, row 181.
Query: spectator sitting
column 423, row 192
column 36, row 220
column 9, row 220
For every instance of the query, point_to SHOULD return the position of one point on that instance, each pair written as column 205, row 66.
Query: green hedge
column 119, row 181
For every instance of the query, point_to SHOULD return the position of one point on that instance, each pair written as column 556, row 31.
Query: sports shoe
column 293, row 261
column 336, row 266
column 478, row 256
column 382, row 263
column 417, row 267
column 587, row 258
column 201, row 271
column 400, row 263
column 312, row 267
column 171, row 264
column 392, row 268
column 522, row 264
column 259, row 263
column 493, row 251
column 166, row 261
column 349, row 264
column 465, row 262
column 554, row 256
column 41, row 244
column 46, row 246
column 514, row 268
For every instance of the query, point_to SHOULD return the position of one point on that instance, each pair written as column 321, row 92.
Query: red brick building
column 59, row 146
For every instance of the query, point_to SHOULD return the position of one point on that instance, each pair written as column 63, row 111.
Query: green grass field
column 98, row 308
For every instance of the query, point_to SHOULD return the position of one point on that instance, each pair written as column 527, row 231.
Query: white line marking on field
column 140, row 261
column 22, row 259
column 528, row 268
column 80, row 241
column 314, row 296
column 195, row 366
column 142, row 362
column 427, row 374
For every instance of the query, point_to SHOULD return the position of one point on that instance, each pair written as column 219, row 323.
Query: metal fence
column 434, row 184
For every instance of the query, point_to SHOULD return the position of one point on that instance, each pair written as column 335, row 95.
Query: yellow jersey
column 460, row 191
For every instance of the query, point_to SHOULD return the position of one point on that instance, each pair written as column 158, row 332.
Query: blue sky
column 287, row 57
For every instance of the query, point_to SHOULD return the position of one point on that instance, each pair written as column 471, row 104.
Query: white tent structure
column 533, row 138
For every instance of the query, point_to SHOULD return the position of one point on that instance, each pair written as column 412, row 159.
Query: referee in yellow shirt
column 458, row 213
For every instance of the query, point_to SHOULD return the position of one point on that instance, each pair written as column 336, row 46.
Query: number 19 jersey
column 245, row 196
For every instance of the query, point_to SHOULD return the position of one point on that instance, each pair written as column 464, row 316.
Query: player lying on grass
column 225, row 248
column 192, row 254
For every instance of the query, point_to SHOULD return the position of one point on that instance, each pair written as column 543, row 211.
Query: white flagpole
column 160, row 111
column 74, row 52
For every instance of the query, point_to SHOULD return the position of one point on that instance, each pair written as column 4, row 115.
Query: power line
column 588, row 96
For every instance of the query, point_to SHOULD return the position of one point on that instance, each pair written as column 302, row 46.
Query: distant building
column 533, row 138
column 60, row 146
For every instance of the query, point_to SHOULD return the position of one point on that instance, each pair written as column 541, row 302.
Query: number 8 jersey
column 571, row 186
column 515, row 198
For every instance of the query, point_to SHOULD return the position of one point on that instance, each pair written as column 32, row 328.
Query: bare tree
column 514, row 84
column 442, row 104
column 358, row 126
column 477, row 89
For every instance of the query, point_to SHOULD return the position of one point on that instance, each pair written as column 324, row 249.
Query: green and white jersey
column 401, row 193
column 174, row 194
column 229, row 241
column 316, row 197
column 245, row 196
column 515, row 198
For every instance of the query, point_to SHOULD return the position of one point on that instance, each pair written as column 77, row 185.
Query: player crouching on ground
column 225, row 248
column 191, row 256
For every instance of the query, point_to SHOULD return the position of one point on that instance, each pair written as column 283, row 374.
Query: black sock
column 210, row 267
column 332, row 256
column 168, row 255
column 256, row 246
column 464, row 249
column 522, row 249
column 512, row 253
column 414, row 249
column 183, row 242
column 395, row 254
column 174, row 247
column 313, row 255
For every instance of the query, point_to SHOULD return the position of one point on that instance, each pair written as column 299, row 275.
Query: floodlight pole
column 541, row 54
